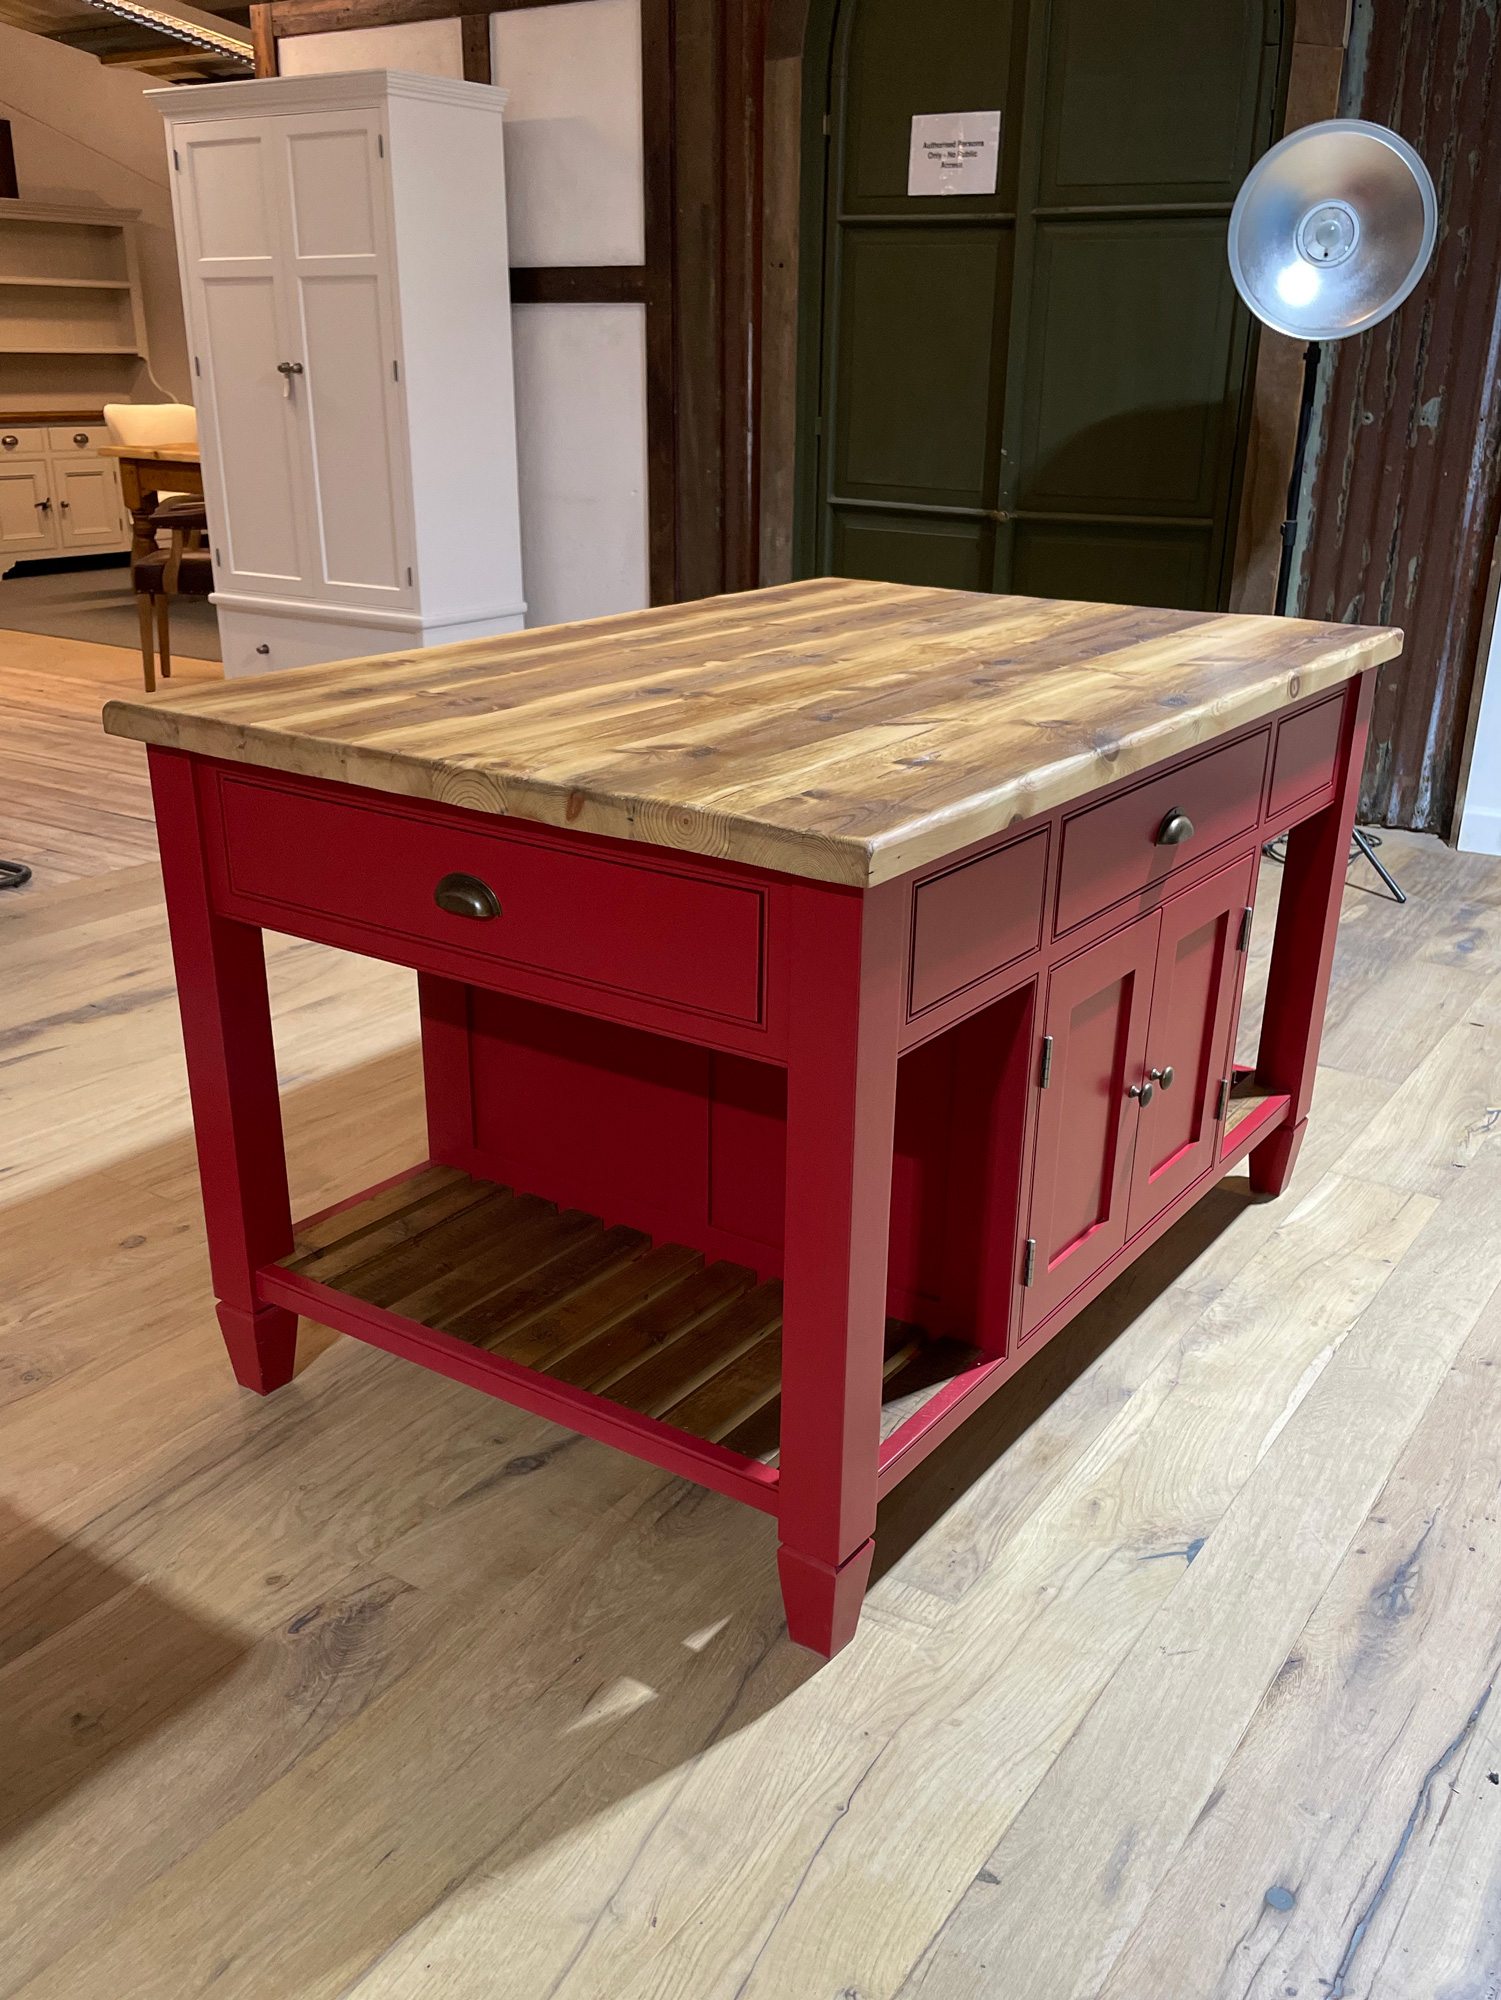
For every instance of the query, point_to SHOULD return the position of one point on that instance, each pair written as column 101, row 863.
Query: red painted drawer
column 1110, row 851
column 1307, row 752
column 977, row 918
column 626, row 925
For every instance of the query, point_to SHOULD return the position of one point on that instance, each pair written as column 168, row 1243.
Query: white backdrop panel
column 573, row 131
column 429, row 48
column 581, row 458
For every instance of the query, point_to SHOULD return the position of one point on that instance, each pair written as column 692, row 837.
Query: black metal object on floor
column 1361, row 844
column 14, row 874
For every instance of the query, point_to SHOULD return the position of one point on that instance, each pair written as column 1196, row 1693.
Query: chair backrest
column 152, row 423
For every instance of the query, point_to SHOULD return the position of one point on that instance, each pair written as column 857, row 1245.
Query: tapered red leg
column 226, row 1028
column 262, row 1345
column 1313, row 880
column 841, row 1103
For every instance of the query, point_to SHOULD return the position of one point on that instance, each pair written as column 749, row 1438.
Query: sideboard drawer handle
column 1175, row 829
column 80, row 437
column 466, row 896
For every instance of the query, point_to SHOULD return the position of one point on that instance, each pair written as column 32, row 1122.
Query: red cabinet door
column 1096, row 1014
column 1192, row 1019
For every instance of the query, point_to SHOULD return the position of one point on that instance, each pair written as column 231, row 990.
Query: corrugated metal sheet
column 1404, row 496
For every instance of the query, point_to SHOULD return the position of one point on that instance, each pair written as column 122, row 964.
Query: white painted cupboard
column 58, row 497
column 345, row 276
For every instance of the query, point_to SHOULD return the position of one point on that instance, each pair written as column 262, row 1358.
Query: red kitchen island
column 805, row 976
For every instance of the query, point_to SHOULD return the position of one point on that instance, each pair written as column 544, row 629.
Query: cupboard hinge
column 196, row 369
column 218, row 560
column 395, row 372
column 380, row 144
column 409, row 572
column 1029, row 1261
column 177, row 163
column 1222, row 1102
column 1045, row 1075
column 1243, row 943
column 826, row 126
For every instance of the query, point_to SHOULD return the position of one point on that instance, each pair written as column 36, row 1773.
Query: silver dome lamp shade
column 1331, row 230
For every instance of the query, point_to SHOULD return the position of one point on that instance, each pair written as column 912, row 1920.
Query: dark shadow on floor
column 92, row 1661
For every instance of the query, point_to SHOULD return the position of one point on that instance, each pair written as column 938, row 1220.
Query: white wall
column 1480, row 826
column 573, row 196
column 83, row 133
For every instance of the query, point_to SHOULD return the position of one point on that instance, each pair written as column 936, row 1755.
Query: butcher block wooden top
column 843, row 731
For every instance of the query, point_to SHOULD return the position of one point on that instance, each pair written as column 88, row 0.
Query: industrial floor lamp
column 1330, row 232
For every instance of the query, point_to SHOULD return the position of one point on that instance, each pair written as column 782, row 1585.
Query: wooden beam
column 659, row 171
column 263, row 38
column 326, row 17
column 475, row 30
column 579, row 284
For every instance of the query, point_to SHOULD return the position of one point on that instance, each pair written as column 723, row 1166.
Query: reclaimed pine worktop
column 821, row 987
column 842, row 731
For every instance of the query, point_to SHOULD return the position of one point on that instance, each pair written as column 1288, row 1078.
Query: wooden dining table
column 142, row 479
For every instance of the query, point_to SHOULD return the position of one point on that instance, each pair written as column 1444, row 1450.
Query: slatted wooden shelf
column 1248, row 1099
column 649, row 1326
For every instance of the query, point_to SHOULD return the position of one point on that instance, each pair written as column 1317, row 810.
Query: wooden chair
column 183, row 568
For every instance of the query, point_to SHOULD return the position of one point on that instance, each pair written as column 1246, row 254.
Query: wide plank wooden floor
column 1175, row 1681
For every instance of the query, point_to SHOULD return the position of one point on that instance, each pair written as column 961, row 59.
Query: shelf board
column 606, row 1314
column 71, row 284
column 31, row 347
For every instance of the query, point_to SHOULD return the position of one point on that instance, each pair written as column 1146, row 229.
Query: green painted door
column 1045, row 389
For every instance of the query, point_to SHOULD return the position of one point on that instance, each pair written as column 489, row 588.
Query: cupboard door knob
column 1143, row 1091
column 263, row 648
column 9, row 441
column 80, row 437
column 1175, row 829
column 1163, row 1076
column 289, row 367
column 466, row 896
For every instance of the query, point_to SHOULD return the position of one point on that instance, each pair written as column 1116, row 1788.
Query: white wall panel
column 429, row 48
column 573, row 131
column 581, row 458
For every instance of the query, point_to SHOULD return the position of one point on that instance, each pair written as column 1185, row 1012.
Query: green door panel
column 1047, row 390
column 900, row 548
column 1112, row 565
column 1150, row 100
column 1125, row 404
column 917, row 398
column 900, row 59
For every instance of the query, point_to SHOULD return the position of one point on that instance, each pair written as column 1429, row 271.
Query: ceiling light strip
column 178, row 30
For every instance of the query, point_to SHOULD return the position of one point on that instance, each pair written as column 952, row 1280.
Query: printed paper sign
column 954, row 152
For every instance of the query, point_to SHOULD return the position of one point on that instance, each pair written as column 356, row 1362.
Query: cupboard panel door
column 88, row 499
column 228, row 191
column 27, row 518
column 1096, row 1013
column 1190, row 1032
column 349, row 401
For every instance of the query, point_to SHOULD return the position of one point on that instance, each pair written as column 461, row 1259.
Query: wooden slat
column 329, row 1262
column 521, row 1320
column 385, row 1206
column 672, row 1373
column 842, row 731
column 735, row 1394
column 596, row 1363
column 501, row 1262
column 441, row 1247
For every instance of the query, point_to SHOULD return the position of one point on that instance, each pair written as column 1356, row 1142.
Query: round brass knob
column 1175, row 829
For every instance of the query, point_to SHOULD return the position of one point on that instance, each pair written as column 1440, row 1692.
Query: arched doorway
column 1044, row 388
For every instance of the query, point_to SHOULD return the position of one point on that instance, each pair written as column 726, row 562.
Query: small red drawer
column 627, row 925
column 977, row 918
column 1307, row 752
column 1110, row 851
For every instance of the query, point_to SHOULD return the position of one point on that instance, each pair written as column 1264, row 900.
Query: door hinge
column 1222, row 1102
column 177, row 163
column 1045, row 1075
column 1243, row 942
column 196, row 369
column 826, row 126
column 380, row 144
column 409, row 572
column 218, row 560
column 1029, row 1261
column 395, row 372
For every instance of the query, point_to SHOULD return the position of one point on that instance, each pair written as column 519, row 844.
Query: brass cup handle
column 1163, row 1076
column 1142, row 1091
column 467, row 896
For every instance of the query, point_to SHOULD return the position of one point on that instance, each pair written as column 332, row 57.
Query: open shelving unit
column 72, row 325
